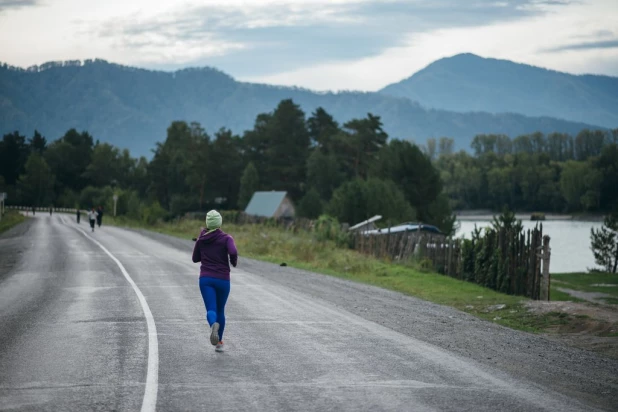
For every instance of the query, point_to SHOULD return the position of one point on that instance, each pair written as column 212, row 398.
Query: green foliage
column 493, row 257
column 604, row 243
column 310, row 206
column 328, row 228
column 553, row 173
column 358, row 200
column 580, row 183
column 323, row 173
column 36, row 185
column 151, row 214
column 249, row 184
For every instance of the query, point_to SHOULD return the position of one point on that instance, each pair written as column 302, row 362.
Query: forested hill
column 467, row 82
column 131, row 108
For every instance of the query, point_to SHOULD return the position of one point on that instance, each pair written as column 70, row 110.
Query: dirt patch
column 588, row 326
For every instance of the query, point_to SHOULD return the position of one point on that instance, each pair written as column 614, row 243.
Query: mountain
column 467, row 82
column 132, row 107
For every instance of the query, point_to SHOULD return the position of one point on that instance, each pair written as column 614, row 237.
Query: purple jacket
column 212, row 250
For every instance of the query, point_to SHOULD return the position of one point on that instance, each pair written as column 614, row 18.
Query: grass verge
column 585, row 282
column 10, row 219
column 302, row 250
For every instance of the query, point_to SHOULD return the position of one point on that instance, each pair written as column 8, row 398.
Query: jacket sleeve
column 197, row 257
column 232, row 251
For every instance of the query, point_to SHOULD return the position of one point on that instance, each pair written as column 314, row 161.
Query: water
column 569, row 242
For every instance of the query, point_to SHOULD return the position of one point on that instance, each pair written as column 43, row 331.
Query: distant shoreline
column 473, row 215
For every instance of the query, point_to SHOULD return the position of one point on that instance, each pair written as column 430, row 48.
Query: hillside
column 132, row 107
column 467, row 82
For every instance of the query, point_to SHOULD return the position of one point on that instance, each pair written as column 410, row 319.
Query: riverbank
column 303, row 251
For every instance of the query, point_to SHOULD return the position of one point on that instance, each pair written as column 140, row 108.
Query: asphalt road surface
column 113, row 320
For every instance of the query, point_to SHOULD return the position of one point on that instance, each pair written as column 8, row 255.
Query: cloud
column 601, row 44
column 16, row 4
column 283, row 36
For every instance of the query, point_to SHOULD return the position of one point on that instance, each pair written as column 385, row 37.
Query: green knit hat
column 213, row 220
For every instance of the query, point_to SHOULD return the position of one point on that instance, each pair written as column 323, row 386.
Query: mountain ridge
column 132, row 107
column 467, row 82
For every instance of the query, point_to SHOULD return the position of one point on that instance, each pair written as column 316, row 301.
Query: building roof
column 265, row 203
column 404, row 227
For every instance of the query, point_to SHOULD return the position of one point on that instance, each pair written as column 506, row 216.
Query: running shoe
column 219, row 347
column 214, row 334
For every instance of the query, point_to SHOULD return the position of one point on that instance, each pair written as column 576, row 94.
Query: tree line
column 351, row 171
column 536, row 172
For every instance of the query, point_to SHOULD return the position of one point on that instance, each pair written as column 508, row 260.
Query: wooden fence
column 506, row 260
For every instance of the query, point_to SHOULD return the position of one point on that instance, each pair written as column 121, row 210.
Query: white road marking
column 149, row 403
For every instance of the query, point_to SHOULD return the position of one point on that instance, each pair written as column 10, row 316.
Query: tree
column 322, row 127
column 13, row 155
column 366, row 138
column 404, row 163
column 358, row 200
column 37, row 143
column 604, row 243
column 278, row 146
column 607, row 165
column 225, row 167
column 430, row 149
column 68, row 159
column 37, row 183
column 104, row 166
column 446, row 146
column 323, row 173
column 579, row 185
column 249, row 184
column 310, row 206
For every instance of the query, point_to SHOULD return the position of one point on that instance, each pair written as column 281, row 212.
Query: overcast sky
column 317, row 44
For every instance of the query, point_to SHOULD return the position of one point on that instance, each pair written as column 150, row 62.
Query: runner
column 99, row 216
column 212, row 249
column 79, row 214
column 92, row 217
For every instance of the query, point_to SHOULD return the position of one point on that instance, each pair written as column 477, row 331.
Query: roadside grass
column 585, row 282
column 10, row 219
column 303, row 251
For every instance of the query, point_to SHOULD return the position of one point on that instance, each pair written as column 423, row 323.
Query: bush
column 328, row 228
column 153, row 213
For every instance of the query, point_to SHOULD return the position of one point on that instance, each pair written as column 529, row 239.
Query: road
column 113, row 320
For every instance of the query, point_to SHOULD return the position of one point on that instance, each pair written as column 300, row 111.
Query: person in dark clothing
column 50, row 210
column 215, row 250
column 79, row 213
column 99, row 216
column 33, row 211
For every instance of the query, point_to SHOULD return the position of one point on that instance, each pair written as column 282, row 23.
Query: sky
column 315, row 44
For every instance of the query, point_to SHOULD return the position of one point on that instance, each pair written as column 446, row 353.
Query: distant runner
column 212, row 248
column 99, row 216
column 92, row 217
column 79, row 214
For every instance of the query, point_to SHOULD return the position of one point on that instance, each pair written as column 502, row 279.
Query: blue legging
column 215, row 292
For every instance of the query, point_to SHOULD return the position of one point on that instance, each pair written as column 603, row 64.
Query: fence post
column 544, row 295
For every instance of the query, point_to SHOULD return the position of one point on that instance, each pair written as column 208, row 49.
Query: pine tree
column 604, row 243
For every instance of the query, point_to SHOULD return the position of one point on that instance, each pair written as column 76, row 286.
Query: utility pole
column 115, row 201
